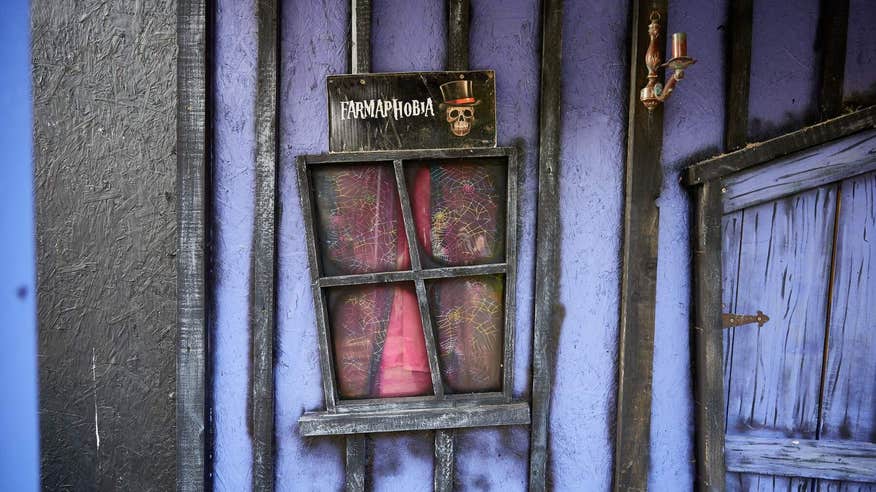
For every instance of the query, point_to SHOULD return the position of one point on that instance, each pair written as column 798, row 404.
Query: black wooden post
column 191, row 384
column 738, row 74
column 644, row 177
column 263, row 280
column 547, row 239
column 832, row 37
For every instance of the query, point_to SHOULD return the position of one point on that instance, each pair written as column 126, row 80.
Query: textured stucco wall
column 504, row 37
column 104, row 91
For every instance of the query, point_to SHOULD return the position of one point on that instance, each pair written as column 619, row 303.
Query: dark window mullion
column 416, row 266
column 366, row 278
column 510, row 306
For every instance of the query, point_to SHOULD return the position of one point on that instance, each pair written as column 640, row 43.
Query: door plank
column 849, row 402
column 815, row 458
column 731, row 229
column 775, row 370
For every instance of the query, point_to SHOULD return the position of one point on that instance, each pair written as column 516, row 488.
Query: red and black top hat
column 458, row 93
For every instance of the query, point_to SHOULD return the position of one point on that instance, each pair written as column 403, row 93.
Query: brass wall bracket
column 655, row 92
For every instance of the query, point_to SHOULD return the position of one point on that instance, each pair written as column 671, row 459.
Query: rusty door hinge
column 733, row 320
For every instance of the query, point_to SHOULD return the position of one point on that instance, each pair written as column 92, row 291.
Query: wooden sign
column 417, row 110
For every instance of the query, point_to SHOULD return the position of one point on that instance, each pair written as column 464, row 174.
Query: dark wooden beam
column 547, row 239
column 644, row 177
column 738, row 73
column 832, row 35
column 263, row 281
column 708, row 338
column 444, row 461
column 191, row 425
column 755, row 154
column 356, row 461
column 458, row 19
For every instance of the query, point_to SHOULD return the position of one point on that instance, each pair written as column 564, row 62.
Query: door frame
column 707, row 181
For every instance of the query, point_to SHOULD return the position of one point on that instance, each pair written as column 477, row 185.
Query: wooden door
column 800, row 391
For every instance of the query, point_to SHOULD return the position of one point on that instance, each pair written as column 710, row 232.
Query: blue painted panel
column 19, row 461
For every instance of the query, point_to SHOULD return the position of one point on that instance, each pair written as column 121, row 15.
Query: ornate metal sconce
column 655, row 93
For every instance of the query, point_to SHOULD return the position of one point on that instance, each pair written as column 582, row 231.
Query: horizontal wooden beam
column 329, row 423
column 759, row 153
column 851, row 461
column 817, row 166
column 407, row 155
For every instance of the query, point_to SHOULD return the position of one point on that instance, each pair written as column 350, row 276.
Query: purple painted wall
column 409, row 35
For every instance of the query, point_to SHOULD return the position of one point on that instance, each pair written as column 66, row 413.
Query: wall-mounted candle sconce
column 655, row 93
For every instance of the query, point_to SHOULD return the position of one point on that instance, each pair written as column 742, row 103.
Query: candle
column 679, row 45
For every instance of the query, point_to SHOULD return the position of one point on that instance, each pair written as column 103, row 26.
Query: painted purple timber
column 784, row 67
column 233, row 205
column 859, row 83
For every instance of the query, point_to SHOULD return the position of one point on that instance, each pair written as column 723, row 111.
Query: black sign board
column 417, row 110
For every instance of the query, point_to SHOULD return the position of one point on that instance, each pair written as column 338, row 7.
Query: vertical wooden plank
column 458, row 19
column 833, row 31
column 356, row 460
column 191, row 182
column 776, row 369
column 360, row 36
column 444, row 456
column 732, row 227
column 849, row 401
column 262, row 283
column 360, row 62
column 708, row 338
column 738, row 74
column 546, row 239
column 643, row 180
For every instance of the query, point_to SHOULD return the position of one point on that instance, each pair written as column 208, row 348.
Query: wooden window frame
column 439, row 410
column 710, row 182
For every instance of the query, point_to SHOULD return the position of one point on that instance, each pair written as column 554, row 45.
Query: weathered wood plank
column 458, row 20
column 360, row 36
column 738, row 74
column 444, row 457
column 759, row 153
column 330, row 423
column 732, row 227
column 849, row 402
column 643, row 179
column 832, row 33
column 785, row 264
column 191, row 425
column 708, row 339
column 407, row 155
column 828, row 459
column 827, row 163
column 263, row 279
column 356, row 461
column 546, row 239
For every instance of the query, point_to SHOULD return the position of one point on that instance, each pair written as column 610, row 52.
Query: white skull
column 460, row 119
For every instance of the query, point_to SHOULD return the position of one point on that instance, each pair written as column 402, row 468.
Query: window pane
column 459, row 210
column 359, row 222
column 378, row 341
column 468, row 315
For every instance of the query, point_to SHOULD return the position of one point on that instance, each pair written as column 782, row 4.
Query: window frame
column 439, row 410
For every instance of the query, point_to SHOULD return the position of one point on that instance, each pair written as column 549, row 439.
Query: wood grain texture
column 360, row 36
column 394, row 420
column 802, row 170
column 738, row 74
column 444, row 458
column 732, row 227
column 458, row 20
column 833, row 26
column 785, row 265
column 828, row 459
column 849, row 401
column 192, row 42
column 104, row 85
column 643, row 179
column 759, row 153
column 263, row 279
column 546, row 240
column 708, row 338
column 356, row 461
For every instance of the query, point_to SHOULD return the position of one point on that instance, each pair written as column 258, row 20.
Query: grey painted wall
column 104, row 88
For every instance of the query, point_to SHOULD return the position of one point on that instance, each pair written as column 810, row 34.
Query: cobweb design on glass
column 468, row 316
column 378, row 341
column 359, row 218
column 458, row 209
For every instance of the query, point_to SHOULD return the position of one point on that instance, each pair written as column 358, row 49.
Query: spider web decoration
column 468, row 314
column 359, row 214
column 458, row 211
